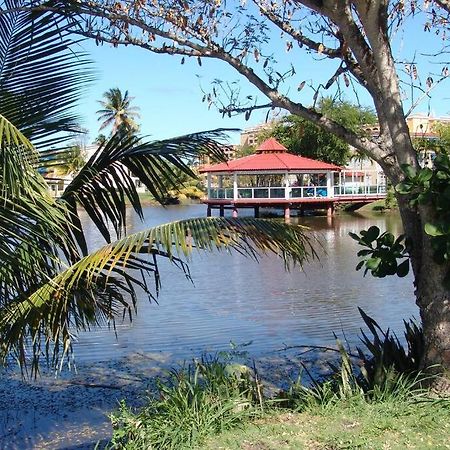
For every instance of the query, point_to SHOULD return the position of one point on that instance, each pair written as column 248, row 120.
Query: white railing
column 220, row 193
column 359, row 189
column 261, row 192
column 308, row 192
column 295, row 192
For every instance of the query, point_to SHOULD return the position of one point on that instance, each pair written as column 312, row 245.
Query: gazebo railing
column 295, row 192
column 309, row 192
column 359, row 189
column 261, row 192
column 225, row 193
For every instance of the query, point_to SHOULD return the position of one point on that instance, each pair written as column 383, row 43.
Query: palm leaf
column 71, row 301
column 10, row 135
column 104, row 183
column 41, row 76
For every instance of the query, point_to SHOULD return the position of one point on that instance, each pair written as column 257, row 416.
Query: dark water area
column 233, row 298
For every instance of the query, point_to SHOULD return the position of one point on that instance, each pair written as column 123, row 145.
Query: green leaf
column 404, row 187
column 409, row 171
column 425, row 175
column 403, row 268
column 373, row 263
column 371, row 234
column 433, row 230
column 354, row 236
column 442, row 175
column 387, row 239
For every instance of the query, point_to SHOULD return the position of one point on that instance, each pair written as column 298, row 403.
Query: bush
column 204, row 398
column 382, row 370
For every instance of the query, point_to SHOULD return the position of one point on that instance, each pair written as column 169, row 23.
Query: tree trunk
column 432, row 297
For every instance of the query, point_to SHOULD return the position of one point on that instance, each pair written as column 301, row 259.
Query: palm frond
column 88, row 292
column 40, row 76
column 10, row 136
column 102, row 186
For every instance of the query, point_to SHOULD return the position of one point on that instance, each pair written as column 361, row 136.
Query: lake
column 233, row 298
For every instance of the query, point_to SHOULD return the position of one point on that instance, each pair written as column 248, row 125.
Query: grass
column 374, row 399
column 352, row 424
column 195, row 401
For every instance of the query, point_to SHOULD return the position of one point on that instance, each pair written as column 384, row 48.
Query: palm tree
column 51, row 286
column 118, row 112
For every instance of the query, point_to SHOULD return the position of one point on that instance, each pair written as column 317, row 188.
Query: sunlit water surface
column 233, row 298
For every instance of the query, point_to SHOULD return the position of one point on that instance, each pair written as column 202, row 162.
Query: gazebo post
column 221, row 210
column 330, row 210
column 208, row 211
column 235, row 187
column 286, row 186
column 330, row 190
column 209, row 184
column 256, row 212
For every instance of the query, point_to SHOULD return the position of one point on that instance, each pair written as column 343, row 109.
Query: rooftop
column 271, row 156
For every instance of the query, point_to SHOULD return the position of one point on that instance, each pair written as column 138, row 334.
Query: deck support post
column 256, row 212
column 330, row 210
column 287, row 213
column 208, row 211
column 221, row 210
column 235, row 212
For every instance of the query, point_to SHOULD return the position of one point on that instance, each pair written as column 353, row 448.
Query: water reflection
column 233, row 298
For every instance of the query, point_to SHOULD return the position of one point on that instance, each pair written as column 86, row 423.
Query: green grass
column 196, row 401
column 352, row 424
column 216, row 403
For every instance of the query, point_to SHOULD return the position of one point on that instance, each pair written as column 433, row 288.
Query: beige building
column 250, row 135
column 422, row 125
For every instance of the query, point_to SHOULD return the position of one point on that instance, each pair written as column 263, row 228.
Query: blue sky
column 169, row 94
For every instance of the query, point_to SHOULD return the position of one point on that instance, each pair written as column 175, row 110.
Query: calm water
column 235, row 299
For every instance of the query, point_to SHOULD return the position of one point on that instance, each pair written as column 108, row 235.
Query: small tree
column 117, row 112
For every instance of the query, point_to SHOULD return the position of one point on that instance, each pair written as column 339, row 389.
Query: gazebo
column 273, row 177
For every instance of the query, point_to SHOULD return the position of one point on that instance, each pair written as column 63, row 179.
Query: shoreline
column 71, row 411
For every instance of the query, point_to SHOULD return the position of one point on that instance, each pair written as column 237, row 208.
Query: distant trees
column 304, row 138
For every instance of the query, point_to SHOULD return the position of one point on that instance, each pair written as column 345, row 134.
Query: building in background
column 249, row 137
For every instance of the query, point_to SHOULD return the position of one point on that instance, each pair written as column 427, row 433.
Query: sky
column 170, row 94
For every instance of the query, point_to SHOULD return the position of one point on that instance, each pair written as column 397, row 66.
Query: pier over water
column 273, row 177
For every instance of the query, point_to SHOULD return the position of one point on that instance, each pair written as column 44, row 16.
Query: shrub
column 382, row 370
column 204, row 398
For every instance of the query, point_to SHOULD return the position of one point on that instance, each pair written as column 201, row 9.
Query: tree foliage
column 304, row 138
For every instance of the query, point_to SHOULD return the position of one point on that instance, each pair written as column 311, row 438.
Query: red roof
column 271, row 145
column 270, row 155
